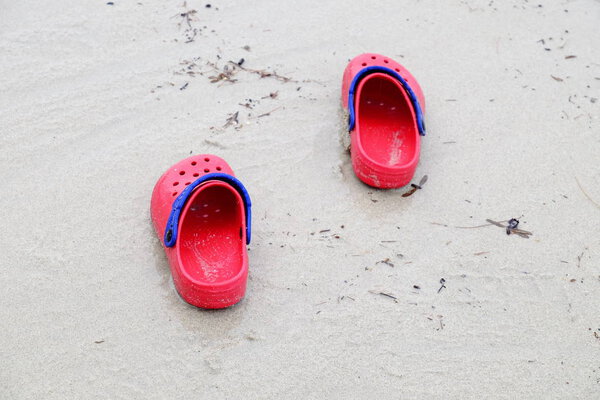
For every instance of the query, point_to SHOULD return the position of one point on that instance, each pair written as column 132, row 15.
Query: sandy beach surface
column 344, row 297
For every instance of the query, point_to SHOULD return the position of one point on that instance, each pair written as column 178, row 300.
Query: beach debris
column 249, row 104
column 416, row 187
column 224, row 74
column 268, row 113
column 520, row 232
column 232, row 119
column 184, row 86
column 186, row 18
column 513, row 223
column 579, row 257
column 384, row 294
column 190, row 67
column 439, row 318
column 272, row 95
column 556, row 78
column 443, row 283
column 386, row 262
column 246, row 47
column 263, row 73
column 228, row 71
column 416, row 287
column 99, row 341
column 569, row 57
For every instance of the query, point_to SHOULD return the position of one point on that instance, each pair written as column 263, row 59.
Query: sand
column 97, row 102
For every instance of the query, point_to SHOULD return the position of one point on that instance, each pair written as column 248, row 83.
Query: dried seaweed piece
column 264, row 73
column 226, row 74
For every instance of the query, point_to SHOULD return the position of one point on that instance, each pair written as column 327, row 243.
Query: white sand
column 87, row 305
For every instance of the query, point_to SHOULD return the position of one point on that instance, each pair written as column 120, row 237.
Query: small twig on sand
column 585, row 193
column 465, row 227
column 272, row 95
column 523, row 233
column 386, row 262
column 268, row 113
column 391, row 296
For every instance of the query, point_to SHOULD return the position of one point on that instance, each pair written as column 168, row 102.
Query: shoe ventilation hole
column 364, row 64
column 181, row 172
column 218, row 168
column 397, row 70
column 175, row 183
column 174, row 193
column 373, row 57
column 194, row 163
column 206, row 170
column 386, row 61
column 196, row 174
column 207, row 159
column 187, row 183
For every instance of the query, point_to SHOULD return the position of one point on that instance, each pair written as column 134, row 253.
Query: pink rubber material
column 385, row 142
column 209, row 261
